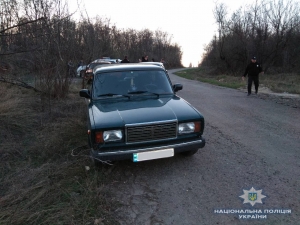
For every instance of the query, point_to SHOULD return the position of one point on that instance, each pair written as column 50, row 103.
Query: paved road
column 251, row 142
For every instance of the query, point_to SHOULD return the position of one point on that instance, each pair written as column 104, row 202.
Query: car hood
column 115, row 114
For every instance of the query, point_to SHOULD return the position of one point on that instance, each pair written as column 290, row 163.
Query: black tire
column 189, row 153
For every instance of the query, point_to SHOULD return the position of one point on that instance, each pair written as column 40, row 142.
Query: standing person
column 80, row 63
column 80, row 69
column 253, row 70
column 125, row 60
column 162, row 60
column 71, row 71
column 145, row 58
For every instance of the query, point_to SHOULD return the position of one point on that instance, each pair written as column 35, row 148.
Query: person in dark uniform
column 71, row 71
column 253, row 70
column 145, row 58
column 125, row 60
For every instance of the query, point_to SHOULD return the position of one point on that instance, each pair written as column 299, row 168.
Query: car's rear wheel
column 189, row 153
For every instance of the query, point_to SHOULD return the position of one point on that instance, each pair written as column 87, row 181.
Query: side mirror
column 177, row 87
column 85, row 93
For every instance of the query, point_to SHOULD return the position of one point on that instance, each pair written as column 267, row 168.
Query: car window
column 124, row 82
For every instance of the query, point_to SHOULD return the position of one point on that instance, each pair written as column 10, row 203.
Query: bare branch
column 21, row 24
column 18, row 83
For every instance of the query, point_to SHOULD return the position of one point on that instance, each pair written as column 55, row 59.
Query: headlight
column 185, row 128
column 112, row 135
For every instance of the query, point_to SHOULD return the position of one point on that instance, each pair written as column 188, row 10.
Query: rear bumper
column 128, row 153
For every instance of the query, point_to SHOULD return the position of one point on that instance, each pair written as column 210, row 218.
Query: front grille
column 151, row 132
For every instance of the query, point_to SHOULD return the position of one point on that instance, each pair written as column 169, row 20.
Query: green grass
column 203, row 75
column 289, row 83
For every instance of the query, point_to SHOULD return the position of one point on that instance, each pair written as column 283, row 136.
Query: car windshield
column 131, row 83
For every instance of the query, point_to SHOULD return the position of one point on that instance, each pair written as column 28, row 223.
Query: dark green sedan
column 134, row 113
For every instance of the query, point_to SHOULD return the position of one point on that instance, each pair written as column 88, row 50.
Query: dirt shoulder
column 287, row 99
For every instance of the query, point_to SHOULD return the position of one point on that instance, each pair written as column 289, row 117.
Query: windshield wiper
column 113, row 94
column 142, row 92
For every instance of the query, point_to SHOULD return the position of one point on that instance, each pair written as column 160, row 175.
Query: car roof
column 153, row 63
column 94, row 64
column 100, row 62
column 127, row 67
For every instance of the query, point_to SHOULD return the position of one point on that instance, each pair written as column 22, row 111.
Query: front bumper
column 128, row 153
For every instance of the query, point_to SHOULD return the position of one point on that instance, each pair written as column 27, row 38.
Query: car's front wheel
column 189, row 153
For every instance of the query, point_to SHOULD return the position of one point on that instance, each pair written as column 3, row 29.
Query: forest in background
column 41, row 36
column 267, row 29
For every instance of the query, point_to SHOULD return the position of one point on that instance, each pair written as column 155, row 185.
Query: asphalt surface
column 250, row 142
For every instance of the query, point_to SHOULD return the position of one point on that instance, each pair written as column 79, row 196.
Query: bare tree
column 267, row 29
column 40, row 36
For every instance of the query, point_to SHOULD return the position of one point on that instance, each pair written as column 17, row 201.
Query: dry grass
column 289, row 83
column 40, row 182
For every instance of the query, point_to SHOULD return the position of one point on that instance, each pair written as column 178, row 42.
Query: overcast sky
column 190, row 22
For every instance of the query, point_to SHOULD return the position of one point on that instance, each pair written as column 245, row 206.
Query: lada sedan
column 134, row 113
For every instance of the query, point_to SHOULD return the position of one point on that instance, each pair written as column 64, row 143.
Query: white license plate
column 142, row 156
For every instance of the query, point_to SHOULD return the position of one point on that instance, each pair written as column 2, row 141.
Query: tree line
column 41, row 36
column 267, row 29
